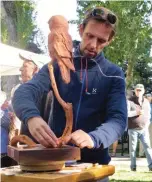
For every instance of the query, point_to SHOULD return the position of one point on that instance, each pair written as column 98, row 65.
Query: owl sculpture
column 60, row 46
column 60, row 50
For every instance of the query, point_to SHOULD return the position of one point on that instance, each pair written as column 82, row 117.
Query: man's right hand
column 139, row 112
column 42, row 132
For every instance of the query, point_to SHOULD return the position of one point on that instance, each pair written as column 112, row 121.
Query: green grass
column 125, row 175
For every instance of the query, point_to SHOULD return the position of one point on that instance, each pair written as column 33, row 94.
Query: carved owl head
column 58, row 21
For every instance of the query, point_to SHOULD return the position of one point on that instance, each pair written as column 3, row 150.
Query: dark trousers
column 6, row 161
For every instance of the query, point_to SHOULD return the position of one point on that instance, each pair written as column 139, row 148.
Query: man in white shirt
column 138, row 122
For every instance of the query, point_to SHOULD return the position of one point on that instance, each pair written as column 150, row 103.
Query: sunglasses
column 102, row 14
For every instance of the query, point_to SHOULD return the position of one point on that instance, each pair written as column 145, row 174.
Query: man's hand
column 140, row 112
column 80, row 138
column 42, row 132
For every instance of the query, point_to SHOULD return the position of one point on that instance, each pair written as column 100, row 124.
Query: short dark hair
column 102, row 15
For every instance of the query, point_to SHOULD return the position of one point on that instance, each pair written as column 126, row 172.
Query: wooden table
column 68, row 174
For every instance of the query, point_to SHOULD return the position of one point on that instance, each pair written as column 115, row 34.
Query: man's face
column 139, row 92
column 28, row 69
column 149, row 99
column 95, row 36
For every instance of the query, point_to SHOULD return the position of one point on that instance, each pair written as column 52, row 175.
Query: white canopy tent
column 10, row 61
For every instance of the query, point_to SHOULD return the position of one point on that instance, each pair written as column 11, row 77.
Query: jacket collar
column 78, row 56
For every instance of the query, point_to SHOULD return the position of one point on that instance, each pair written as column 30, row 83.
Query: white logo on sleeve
column 94, row 91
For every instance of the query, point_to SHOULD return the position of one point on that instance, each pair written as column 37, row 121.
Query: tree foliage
column 133, row 40
column 143, row 74
column 17, row 23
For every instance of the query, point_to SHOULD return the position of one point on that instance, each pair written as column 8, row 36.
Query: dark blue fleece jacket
column 97, row 92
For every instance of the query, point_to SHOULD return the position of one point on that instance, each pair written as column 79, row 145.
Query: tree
column 17, row 23
column 143, row 72
column 134, row 35
column 19, row 30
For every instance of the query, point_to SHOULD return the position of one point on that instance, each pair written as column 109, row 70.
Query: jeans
column 150, row 134
column 103, row 180
column 141, row 148
column 143, row 136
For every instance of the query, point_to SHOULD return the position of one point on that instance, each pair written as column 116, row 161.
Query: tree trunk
column 7, row 9
column 129, row 77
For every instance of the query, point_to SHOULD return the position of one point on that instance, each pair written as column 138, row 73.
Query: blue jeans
column 103, row 180
column 143, row 136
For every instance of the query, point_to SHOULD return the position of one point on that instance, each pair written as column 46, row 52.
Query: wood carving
column 13, row 131
column 23, row 139
column 66, row 106
column 60, row 46
column 60, row 50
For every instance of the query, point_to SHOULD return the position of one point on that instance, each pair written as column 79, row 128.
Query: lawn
column 125, row 175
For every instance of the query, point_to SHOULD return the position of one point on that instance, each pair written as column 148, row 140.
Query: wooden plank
column 91, row 174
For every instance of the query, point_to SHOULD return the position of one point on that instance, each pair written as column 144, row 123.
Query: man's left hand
column 80, row 138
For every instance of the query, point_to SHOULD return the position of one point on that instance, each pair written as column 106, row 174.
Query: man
column 29, row 68
column 96, row 90
column 6, row 116
column 141, row 149
column 138, row 122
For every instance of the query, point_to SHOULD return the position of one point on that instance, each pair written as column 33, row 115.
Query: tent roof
column 10, row 61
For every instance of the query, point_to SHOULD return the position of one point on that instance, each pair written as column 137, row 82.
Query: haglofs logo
column 94, row 91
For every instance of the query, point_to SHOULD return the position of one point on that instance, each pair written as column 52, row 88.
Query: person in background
column 138, row 121
column 141, row 149
column 121, row 139
column 6, row 116
column 129, row 94
column 114, row 148
column 96, row 90
column 30, row 67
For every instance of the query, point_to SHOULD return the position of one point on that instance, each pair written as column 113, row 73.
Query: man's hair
column 102, row 15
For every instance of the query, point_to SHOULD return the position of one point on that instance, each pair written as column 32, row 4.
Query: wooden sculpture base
column 45, row 166
column 40, row 158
